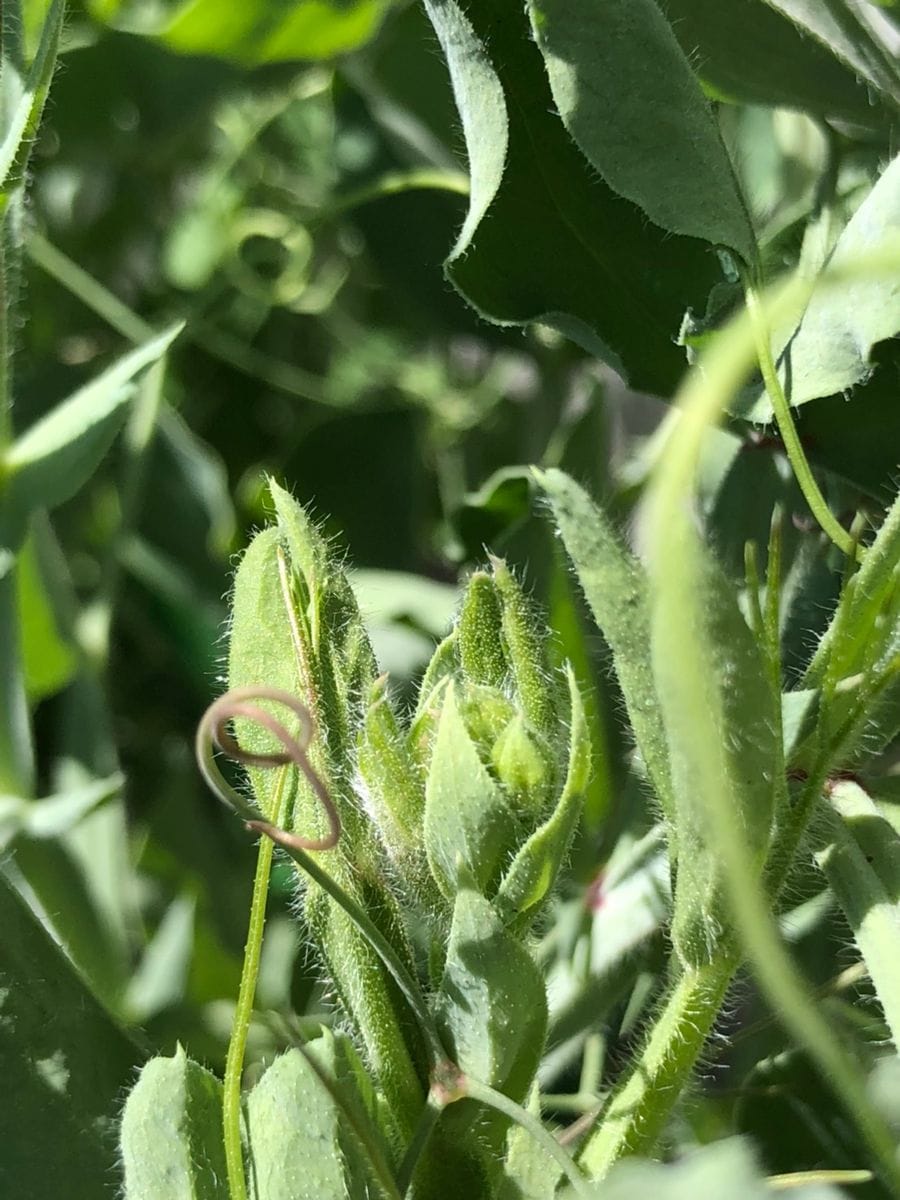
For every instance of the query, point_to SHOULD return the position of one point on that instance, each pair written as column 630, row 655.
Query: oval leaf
column 172, row 1133
column 300, row 1148
column 468, row 825
column 492, row 1007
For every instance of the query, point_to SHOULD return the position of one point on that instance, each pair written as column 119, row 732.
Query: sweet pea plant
column 428, row 847
column 557, row 890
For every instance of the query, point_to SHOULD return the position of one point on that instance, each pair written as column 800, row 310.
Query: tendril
column 213, row 733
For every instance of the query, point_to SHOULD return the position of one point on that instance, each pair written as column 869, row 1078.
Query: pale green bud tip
column 524, row 643
column 480, row 632
column 521, row 764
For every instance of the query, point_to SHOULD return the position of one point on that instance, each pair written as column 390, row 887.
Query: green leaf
column 866, row 618
column 172, row 1133
column 17, row 766
column 300, row 1146
column 495, row 510
column 468, row 824
column 726, row 1168
column 393, row 795
column 48, row 659
column 260, row 653
column 830, row 350
column 616, row 590
column 53, row 459
column 524, row 643
column 844, row 28
column 73, row 894
column 859, row 852
column 23, row 120
column 627, row 95
column 65, row 1065
column 160, row 978
column 748, row 51
column 259, row 32
column 53, row 816
column 534, row 869
column 492, row 1008
column 544, row 239
column 340, row 666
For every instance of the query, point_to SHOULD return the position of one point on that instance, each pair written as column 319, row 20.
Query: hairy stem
column 369, row 931
column 421, row 1137
column 675, row 562
column 638, row 1112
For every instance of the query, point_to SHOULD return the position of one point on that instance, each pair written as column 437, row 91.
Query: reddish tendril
column 213, row 731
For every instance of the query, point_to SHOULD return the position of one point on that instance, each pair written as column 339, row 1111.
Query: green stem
column 142, row 424
column 639, row 1110
column 788, row 430
column 427, row 1121
column 87, row 289
column 8, row 289
column 675, row 558
column 772, row 609
column 138, row 438
column 16, row 749
column 370, row 932
column 395, row 182
column 277, row 373
column 832, row 750
column 237, row 1045
column 484, row 1094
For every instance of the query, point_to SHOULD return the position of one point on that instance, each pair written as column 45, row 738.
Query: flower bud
column 524, row 766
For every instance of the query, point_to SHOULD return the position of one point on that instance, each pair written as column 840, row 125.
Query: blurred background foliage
column 287, row 179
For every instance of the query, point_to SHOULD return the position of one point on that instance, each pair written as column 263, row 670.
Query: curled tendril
column 213, row 732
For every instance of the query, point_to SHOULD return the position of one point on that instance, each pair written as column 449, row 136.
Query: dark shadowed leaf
column 545, row 239
column 748, row 51
column 65, row 1065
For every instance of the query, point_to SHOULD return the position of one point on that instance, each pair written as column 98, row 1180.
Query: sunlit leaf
column 663, row 150
column 171, row 1135
column 259, row 32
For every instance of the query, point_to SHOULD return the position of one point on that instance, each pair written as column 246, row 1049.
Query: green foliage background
column 393, row 288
